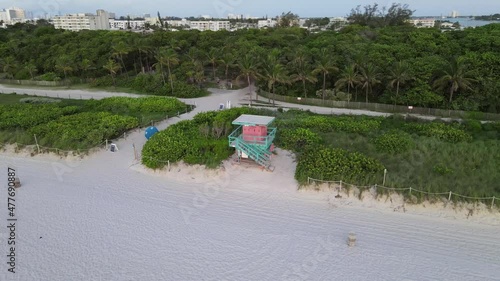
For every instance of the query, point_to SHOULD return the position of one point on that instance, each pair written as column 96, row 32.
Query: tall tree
column 65, row 64
column 112, row 66
column 399, row 74
column 169, row 58
column 227, row 60
column 300, row 65
column 249, row 71
column 9, row 66
column 368, row 78
column 119, row 50
column 85, row 66
column 456, row 76
column 31, row 68
column 274, row 72
column 213, row 58
column 324, row 66
column 349, row 77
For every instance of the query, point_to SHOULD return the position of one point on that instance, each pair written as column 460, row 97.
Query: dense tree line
column 396, row 64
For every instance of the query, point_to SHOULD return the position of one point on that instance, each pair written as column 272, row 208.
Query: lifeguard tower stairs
column 254, row 139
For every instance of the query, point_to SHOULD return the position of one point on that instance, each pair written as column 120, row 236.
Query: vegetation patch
column 442, row 131
column 83, row 130
column 394, row 142
column 79, row 124
column 334, row 163
column 297, row 139
column 202, row 140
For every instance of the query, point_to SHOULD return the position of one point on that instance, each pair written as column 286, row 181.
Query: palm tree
column 274, row 73
column 113, row 68
column 85, row 65
column 213, row 58
column 169, row 58
column 31, row 68
column 142, row 47
column 369, row 78
column 399, row 74
column 324, row 66
column 300, row 65
column 456, row 77
column 9, row 66
column 65, row 65
column 227, row 60
column 248, row 70
column 349, row 78
column 119, row 50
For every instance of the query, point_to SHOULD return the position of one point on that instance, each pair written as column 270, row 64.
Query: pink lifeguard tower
column 254, row 139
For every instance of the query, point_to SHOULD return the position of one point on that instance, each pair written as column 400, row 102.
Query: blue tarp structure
column 150, row 132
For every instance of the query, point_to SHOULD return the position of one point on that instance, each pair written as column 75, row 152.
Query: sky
column 271, row 8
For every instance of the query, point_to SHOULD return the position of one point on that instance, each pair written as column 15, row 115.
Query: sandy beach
column 107, row 217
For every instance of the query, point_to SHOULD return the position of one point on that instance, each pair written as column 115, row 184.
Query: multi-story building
column 77, row 22
column 210, row 25
column 429, row 22
column 125, row 24
column 266, row 23
column 179, row 23
column 12, row 15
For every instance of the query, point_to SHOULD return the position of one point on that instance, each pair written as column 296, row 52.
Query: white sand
column 107, row 218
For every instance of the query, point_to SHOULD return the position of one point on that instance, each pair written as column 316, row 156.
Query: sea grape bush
column 83, row 130
column 445, row 132
column 336, row 164
column 146, row 104
column 336, row 123
column 394, row 142
column 25, row 116
column 297, row 139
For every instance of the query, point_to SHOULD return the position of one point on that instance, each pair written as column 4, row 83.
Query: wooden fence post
column 410, row 191
column 106, row 147
column 37, row 146
column 449, row 197
column 493, row 202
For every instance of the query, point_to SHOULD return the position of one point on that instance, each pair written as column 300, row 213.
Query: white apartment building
column 266, row 23
column 77, row 22
column 178, row 23
column 12, row 15
column 210, row 25
column 430, row 22
column 124, row 24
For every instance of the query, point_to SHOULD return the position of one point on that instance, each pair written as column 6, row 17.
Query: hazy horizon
column 257, row 8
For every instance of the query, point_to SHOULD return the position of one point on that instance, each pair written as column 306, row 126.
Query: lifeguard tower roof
column 253, row 120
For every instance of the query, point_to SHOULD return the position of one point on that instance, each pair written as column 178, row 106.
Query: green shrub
column 83, row 130
column 334, row 164
column 39, row 100
column 136, row 105
column 297, row 139
column 473, row 126
column 49, row 76
column 442, row 170
column 335, row 123
column 394, row 142
column 29, row 115
column 442, row 131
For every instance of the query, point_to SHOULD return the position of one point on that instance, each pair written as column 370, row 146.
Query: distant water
column 467, row 22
